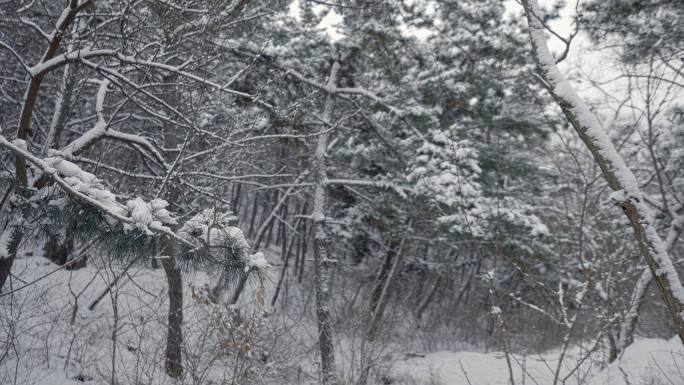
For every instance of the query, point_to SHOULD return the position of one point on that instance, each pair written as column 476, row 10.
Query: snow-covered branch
column 151, row 217
column 620, row 178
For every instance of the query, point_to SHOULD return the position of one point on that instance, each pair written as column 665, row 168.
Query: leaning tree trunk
column 629, row 319
column 627, row 193
column 323, row 265
column 378, row 308
column 379, row 299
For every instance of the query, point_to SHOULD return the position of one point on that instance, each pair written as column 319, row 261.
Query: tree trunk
column 629, row 320
column 287, row 251
column 379, row 304
column 379, row 308
column 428, row 298
column 12, row 249
column 306, row 233
column 174, row 336
column 252, row 218
column 24, row 127
column 174, row 333
column 242, row 283
column 235, row 201
column 382, row 276
column 271, row 223
column 627, row 193
column 268, row 222
column 62, row 108
column 323, row 265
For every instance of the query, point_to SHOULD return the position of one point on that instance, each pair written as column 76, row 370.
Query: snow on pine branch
column 213, row 230
column 446, row 169
column 143, row 214
column 150, row 217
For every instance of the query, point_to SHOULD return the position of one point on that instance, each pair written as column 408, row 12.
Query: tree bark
column 12, row 249
column 306, row 234
column 422, row 306
column 620, row 178
column 379, row 303
column 174, row 336
column 23, row 129
column 33, row 89
column 62, row 108
column 377, row 311
column 287, row 251
column 323, row 265
column 383, row 274
column 629, row 320
column 174, row 333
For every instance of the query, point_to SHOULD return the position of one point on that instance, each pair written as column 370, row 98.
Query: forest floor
column 647, row 361
column 48, row 336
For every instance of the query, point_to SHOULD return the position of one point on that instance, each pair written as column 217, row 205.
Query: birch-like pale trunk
column 323, row 265
column 627, row 193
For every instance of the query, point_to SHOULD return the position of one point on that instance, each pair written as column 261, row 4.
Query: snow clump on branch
column 143, row 214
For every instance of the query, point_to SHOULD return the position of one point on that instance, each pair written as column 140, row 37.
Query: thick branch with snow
column 627, row 193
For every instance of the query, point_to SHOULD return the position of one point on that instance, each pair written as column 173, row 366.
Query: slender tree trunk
column 427, row 299
column 382, row 276
column 272, row 218
column 174, row 336
column 111, row 285
column 33, row 89
column 287, row 251
column 24, row 127
column 627, row 193
column 252, row 218
column 268, row 222
column 235, row 202
column 242, row 283
column 62, row 107
column 323, row 264
column 629, row 321
column 377, row 308
column 306, row 234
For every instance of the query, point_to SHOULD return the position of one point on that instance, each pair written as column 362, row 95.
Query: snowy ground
column 647, row 361
column 39, row 344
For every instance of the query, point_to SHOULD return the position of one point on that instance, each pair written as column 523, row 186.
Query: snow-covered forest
column 341, row 192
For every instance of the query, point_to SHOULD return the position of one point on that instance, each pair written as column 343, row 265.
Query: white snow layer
column 258, row 261
column 647, row 361
column 144, row 214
